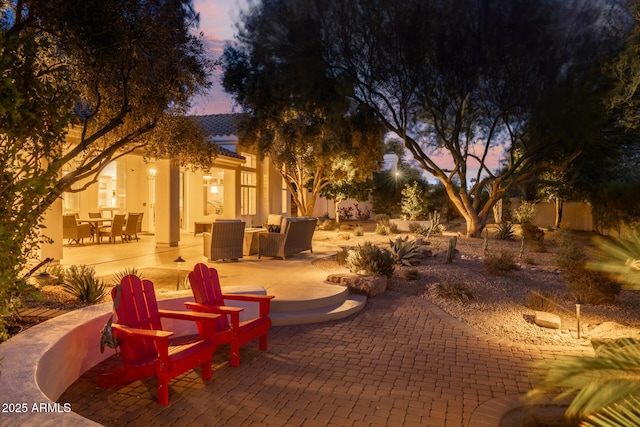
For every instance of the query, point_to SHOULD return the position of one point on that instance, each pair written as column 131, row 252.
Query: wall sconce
column 151, row 173
column 214, row 189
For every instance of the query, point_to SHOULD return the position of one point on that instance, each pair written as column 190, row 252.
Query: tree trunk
column 559, row 207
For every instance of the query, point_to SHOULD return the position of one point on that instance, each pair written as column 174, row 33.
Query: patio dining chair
column 74, row 231
column 116, row 229
column 131, row 227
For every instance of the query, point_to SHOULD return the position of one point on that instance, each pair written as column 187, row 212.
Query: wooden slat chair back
column 209, row 298
column 145, row 347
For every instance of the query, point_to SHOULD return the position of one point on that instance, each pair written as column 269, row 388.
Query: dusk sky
column 217, row 22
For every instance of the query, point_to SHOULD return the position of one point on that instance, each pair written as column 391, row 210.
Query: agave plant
column 118, row 276
column 404, row 251
column 607, row 386
column 622, row 259
column 81, row 281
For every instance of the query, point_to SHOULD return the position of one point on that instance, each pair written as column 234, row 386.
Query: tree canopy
column 297, row 115
column 462, row 81
column 120, row 73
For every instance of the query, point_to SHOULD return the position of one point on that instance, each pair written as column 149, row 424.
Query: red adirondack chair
column 209, row 298
column 145, row 348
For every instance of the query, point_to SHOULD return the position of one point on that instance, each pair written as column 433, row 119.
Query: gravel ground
column 497, row 306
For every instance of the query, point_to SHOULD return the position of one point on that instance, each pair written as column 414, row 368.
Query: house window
column 214, row 193
column 285, row 196
column 248, row 185
column 248, row 193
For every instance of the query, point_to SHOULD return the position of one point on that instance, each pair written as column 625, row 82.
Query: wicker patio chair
column 116, row 229
column 73, row 231
column 225, row 240
column 295, row 236
column 131, row 227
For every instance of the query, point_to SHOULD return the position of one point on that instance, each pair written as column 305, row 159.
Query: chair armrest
column 233, row 312
column 263, row 300
column 247, row 297
column 187, row 315
column 212, row 308
column 139, row 333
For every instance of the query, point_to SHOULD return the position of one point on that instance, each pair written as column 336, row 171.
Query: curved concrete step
column 350, row 305
column 308, row 296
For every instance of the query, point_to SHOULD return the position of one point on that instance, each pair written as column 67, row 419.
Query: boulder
column 368, row 285
column 547, row 320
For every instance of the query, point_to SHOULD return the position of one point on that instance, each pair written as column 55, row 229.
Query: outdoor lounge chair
column 116, row 229
column 73, row 231
column 145, row 347
column 224, row 241
column 295, row 236
column 209, row 298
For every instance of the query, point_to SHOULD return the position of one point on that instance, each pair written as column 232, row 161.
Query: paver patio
column 402, row 361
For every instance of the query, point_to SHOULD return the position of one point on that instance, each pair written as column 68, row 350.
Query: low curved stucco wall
column 39, row 364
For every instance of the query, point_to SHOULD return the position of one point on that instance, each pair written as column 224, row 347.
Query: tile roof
column 219, row 124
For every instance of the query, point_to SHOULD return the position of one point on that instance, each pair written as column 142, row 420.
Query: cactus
column 434, row 217
column 486, row 242
column 452, row 249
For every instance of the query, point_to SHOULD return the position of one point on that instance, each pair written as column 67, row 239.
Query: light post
column 578, row 304
column 179, row 261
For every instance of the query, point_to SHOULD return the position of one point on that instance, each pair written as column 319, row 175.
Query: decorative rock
column 547, row 320
column 344, row 236
column 341, row 278
column 367, row 285
column 425, row 253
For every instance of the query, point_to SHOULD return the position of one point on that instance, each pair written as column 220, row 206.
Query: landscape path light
column 179, row 261
column 578, row 304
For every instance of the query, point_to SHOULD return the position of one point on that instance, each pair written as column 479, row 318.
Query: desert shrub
column 505, row 231
column 526, row 212
column 82, row 282
column 341, row 256
column 541, row 300
column 569, row 255
column 382, row 219
column 393, row 228
column 413, row 204
column 371, row 259
column 404, row 251
column 452, row 289
column 417, row 228
column 382, row 230
column 327, row 225
column 409, row 274
column 591, row 287
column 358, row 231
column 534, row 237
column 500, row 265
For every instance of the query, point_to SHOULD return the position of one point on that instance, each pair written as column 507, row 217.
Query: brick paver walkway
column 401, row 361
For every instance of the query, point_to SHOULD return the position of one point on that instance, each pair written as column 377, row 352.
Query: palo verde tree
column 304, row 121
column 459, row 82
column 118, row 73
